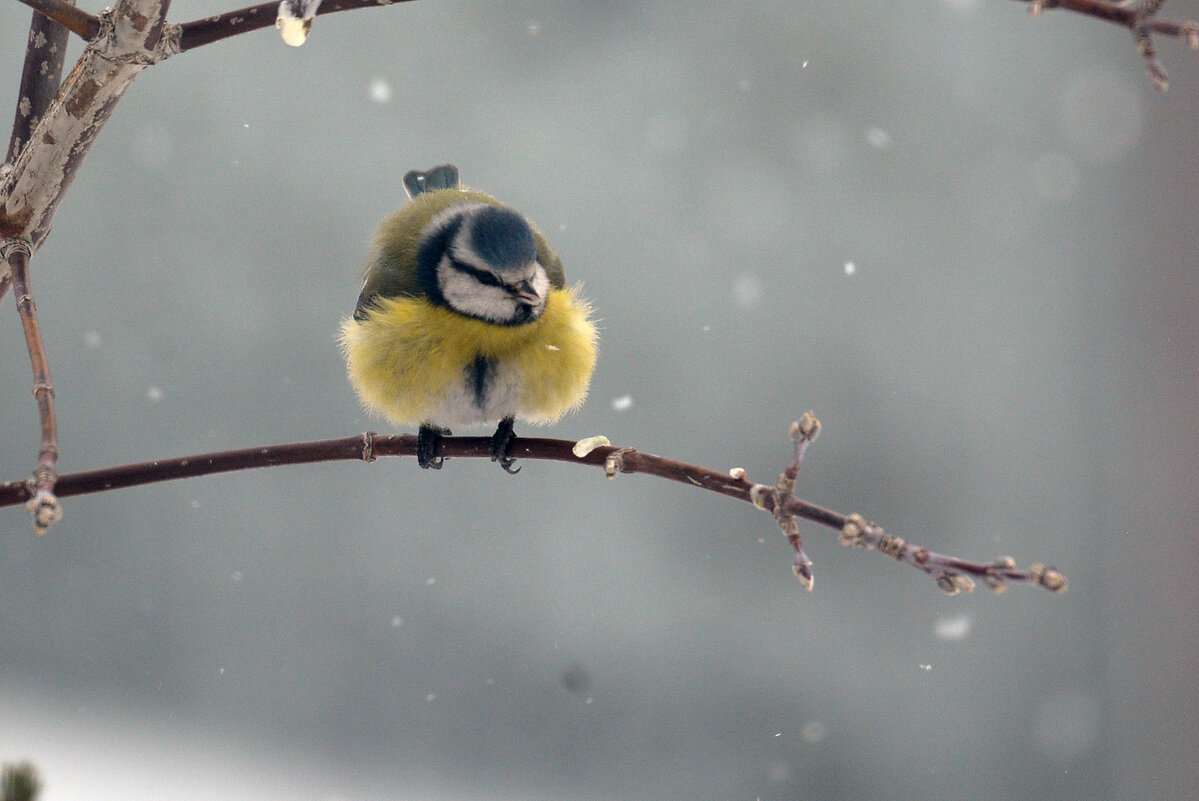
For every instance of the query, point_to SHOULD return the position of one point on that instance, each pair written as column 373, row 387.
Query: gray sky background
column 1009, row 368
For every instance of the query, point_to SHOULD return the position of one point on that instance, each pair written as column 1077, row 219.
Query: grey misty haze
column 961, row 235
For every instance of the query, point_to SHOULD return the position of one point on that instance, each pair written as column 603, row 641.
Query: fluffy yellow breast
column 408, row 359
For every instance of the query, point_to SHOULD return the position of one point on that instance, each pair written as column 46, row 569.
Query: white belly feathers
column 488, row 392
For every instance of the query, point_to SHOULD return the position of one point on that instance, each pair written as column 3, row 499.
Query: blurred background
column 963, row 236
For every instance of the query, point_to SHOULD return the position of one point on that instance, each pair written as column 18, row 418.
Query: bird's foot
column 500, row 441
column 428, row 440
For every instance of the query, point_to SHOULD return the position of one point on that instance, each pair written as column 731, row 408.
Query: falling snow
column 380, row 91
column 747, row 291
column 952, row 628
column 878, row 138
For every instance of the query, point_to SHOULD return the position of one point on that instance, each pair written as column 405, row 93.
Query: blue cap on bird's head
column 500, row 237
column 480, row 260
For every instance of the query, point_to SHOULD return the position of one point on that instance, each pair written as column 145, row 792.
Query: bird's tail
column 444, row 176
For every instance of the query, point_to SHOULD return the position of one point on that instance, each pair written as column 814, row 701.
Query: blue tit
column 465, row 319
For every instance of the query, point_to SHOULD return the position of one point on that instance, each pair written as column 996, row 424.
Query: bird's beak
column 525, row 293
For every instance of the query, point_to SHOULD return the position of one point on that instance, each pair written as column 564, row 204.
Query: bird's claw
column 428, row 439
column 500, row 441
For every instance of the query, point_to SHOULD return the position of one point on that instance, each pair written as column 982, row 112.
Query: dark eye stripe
column 482, row 276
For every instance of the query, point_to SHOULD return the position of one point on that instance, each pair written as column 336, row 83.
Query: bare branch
column 613, row 460
column 44, row 56
column 1105, row 10
column 803, row 433
column 43, row 505
column 67, row 15
column 213, row 29
column 1188, row 30
column 1139, row 16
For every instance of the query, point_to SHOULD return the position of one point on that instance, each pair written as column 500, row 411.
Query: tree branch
column 1105, row 10
column 43, row 505
column 44, row 55
column 213, row 29
column 1139, row 16
column 74, row 19
column 952, row 574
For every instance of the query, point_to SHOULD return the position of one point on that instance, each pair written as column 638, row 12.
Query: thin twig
column 1139, row 16
column 803, row 433
column 74, row 19
column 213, row 29
column 42, row 504
column 1105, row 10
column 369, row 446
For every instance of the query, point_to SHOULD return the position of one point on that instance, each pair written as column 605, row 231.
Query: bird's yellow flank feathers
column 407, row 358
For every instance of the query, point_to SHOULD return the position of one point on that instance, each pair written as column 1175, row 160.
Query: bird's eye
column 484, row 277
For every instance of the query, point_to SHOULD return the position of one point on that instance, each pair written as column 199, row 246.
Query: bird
column 465, row 319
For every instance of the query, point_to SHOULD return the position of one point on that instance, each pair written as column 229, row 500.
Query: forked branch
column 197, row 32
column 1140, row 17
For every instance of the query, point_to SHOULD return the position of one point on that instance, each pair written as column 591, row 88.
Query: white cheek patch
column 541, row 283
column 455, row 285
column 466, row 295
